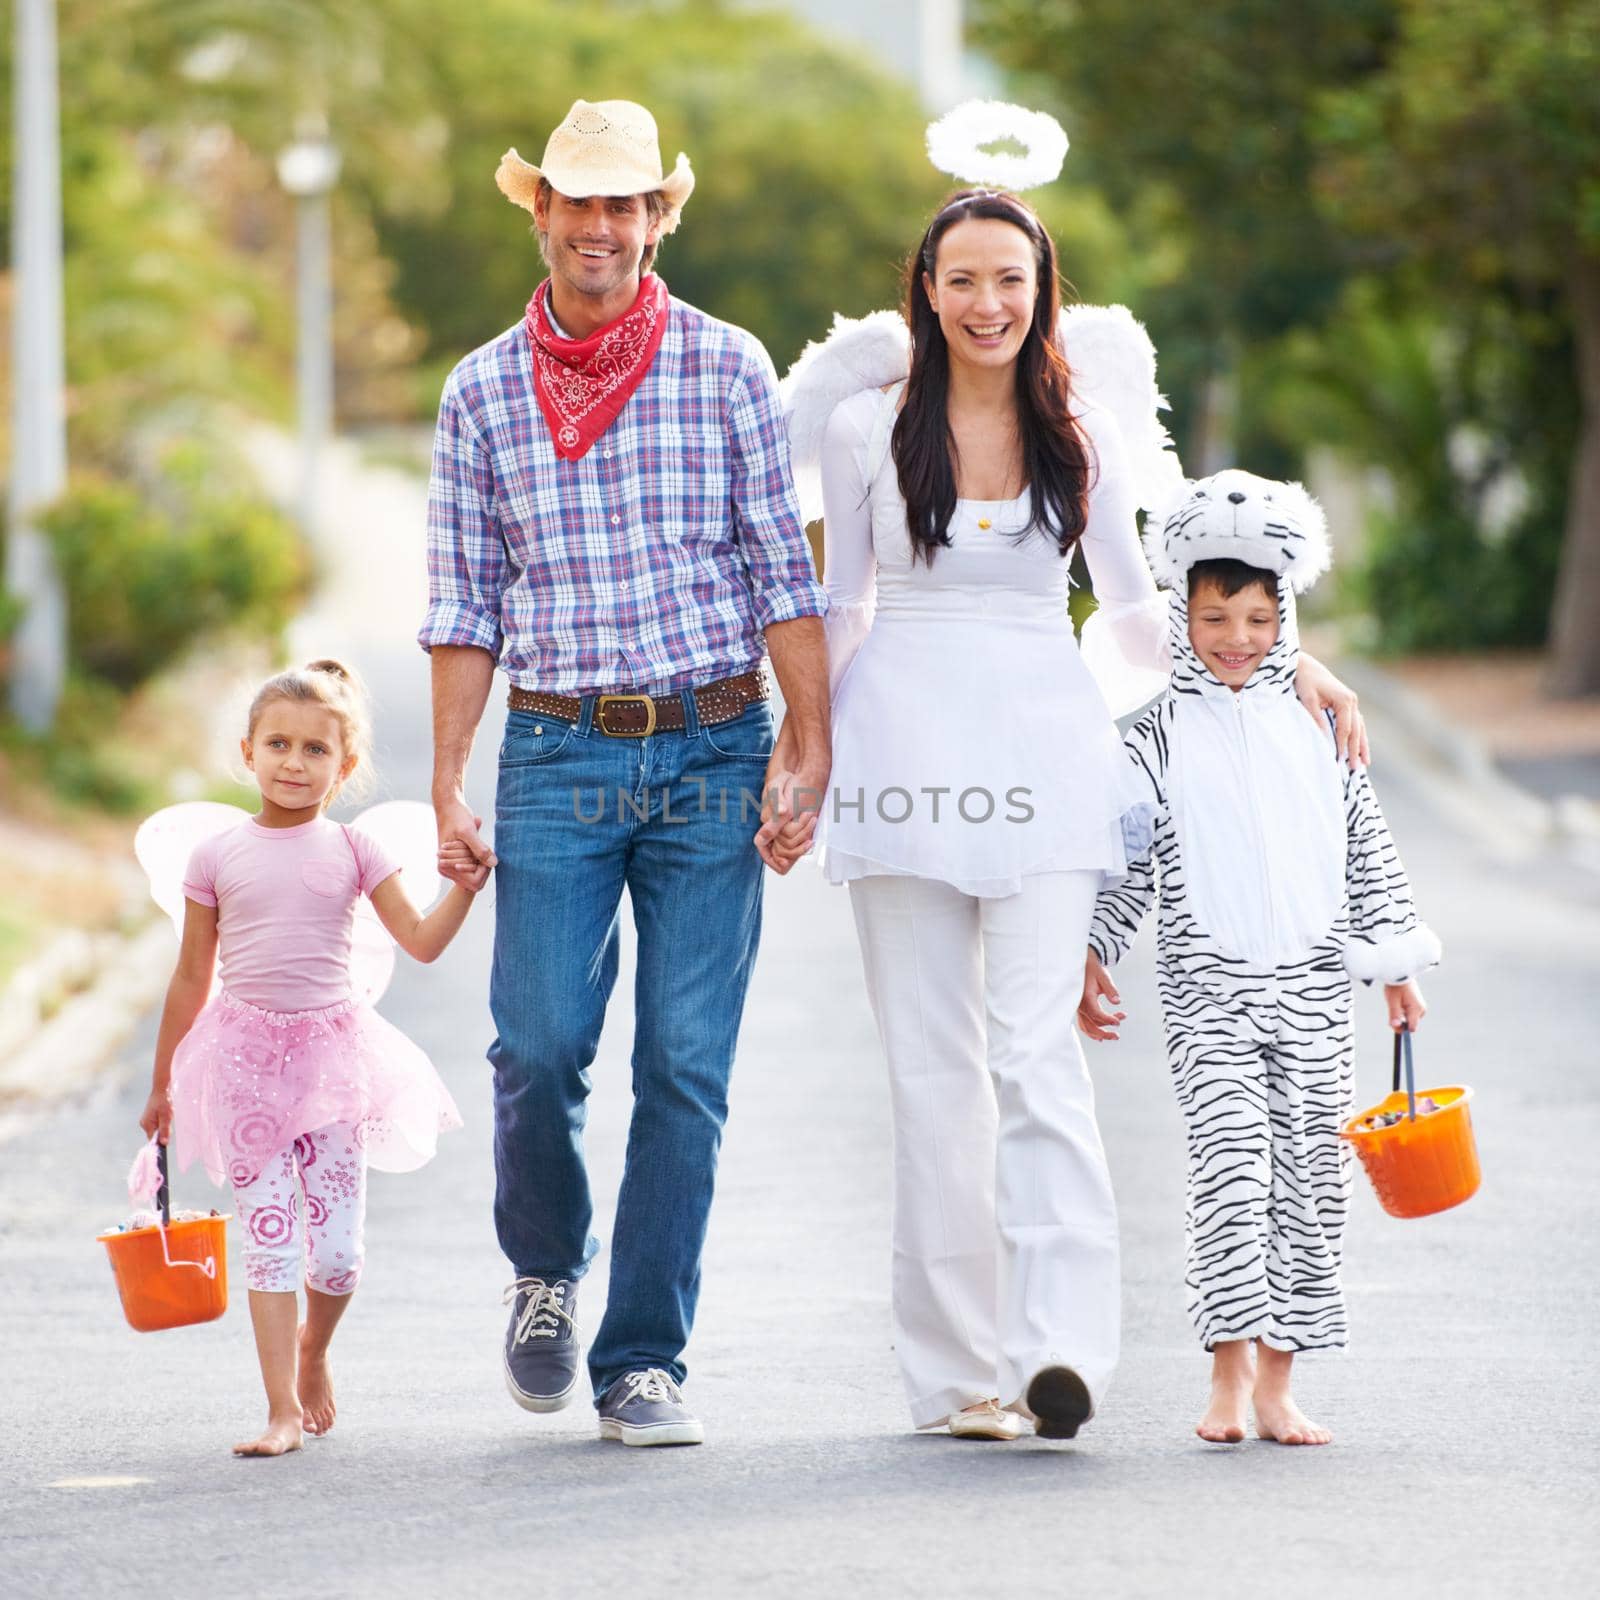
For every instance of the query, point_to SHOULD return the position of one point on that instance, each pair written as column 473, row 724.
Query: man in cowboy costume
column 611, row 521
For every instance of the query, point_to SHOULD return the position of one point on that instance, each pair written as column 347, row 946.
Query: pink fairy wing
column 166, row 840
column 407, row 832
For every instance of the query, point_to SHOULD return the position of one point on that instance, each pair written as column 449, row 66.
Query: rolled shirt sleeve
column 766, row 514
column 467, row 566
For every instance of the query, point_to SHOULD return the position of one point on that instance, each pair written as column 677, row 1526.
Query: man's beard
column 583, row 285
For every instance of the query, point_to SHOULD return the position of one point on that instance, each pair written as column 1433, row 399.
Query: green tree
column 1476, row 152
column 1194, row 119
column 812, row 182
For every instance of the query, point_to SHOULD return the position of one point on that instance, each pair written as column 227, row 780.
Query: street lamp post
column 308, row 170
column 38, row 378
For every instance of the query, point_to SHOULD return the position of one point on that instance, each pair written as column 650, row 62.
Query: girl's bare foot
column 282, row 1436
column 1232, row 1375
column 316, row 1388
column 1280, row 1419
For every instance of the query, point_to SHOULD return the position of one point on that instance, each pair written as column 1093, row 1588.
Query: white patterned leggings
column 304, row 1212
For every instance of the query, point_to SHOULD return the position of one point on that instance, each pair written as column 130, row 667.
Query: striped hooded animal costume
column 1277, row 883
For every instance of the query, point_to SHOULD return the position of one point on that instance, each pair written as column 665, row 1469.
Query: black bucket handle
column 1402, row 1048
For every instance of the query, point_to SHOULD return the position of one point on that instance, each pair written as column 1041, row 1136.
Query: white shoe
column 987, row 1421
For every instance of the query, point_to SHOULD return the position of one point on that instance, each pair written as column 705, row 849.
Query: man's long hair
column 1055, row 459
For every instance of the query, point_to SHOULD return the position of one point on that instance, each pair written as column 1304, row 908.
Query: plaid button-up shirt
column 654, row 561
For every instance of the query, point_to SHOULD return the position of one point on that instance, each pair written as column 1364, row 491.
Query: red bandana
column 583, row 383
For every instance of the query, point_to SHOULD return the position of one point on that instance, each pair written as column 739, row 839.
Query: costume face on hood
column 1237, row 516
column 1254, row 784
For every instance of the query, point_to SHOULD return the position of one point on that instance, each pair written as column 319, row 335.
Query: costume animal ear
column 1167, row 572
column 1310, row 558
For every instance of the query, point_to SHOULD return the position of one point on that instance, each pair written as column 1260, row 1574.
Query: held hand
column 458, row 825
column 1095, row 1019
column 156, row 1119
column 791, row 804
column 466, row 871
column 1320, row 692
column 1407, row 1008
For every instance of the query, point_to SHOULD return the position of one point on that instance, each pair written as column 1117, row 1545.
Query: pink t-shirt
column 285, row 900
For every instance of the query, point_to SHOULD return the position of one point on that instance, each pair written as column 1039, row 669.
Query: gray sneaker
column 542, row 1356
column 647, row 1408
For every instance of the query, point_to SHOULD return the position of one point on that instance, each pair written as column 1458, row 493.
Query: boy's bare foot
column 1233, row 1373
column 1228, row 1412
column 316, row 1388
column 282, row 1436
column 1277, row 1416
column 1280, row 1419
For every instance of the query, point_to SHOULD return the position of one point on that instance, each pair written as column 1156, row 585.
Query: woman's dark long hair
column 1055, row 459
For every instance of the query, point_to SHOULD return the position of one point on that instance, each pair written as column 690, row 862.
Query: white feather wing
column 1114, row 365
column 859, row 353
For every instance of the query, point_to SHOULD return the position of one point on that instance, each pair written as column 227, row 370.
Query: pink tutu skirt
column 248, row 1082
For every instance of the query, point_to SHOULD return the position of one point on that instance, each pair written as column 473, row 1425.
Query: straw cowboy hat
column 601, row 147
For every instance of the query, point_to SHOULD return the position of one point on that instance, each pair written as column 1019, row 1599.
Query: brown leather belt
column 636, row 716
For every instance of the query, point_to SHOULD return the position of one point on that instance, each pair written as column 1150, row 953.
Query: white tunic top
column 970, row 742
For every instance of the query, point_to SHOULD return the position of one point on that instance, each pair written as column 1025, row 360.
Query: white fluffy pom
column 956, row 145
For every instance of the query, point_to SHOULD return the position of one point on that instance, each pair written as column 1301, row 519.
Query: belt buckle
column 602, row 701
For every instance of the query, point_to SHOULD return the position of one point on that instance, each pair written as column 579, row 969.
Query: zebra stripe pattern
column 1261, row 1064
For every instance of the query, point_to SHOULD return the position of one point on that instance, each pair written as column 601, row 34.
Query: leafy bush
column 1469, row 412
column 143, row 581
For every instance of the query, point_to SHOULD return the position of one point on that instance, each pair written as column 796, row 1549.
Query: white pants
column 1005, row 1229
column 303, row 1216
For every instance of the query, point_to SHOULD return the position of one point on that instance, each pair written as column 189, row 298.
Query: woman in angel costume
column 980, row 798
column 286, row 1083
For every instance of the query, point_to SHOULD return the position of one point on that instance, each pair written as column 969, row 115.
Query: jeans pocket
column 747, row 738
column 528, row 741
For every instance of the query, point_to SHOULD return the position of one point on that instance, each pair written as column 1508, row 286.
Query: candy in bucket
column 1418, row 1150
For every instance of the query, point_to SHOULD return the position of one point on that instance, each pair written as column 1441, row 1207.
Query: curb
column 1460, row 778
column 67, row 1053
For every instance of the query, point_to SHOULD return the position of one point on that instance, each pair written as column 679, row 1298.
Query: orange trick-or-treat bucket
column 172, row 1275
column 1419, row 1162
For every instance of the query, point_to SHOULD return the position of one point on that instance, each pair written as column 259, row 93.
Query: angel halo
column 957, row 145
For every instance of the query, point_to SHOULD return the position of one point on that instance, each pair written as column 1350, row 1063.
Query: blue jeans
column 578, row 816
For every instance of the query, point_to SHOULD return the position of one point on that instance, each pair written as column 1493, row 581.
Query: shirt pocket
column 693, row 471
column 329, row 877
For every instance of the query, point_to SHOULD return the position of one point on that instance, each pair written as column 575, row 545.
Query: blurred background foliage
column 1360, row 231
column 1381, row 226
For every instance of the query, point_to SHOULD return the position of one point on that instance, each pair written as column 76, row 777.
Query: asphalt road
column 1464, row 1412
